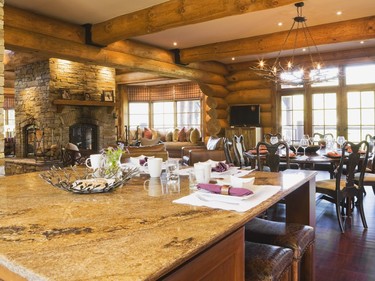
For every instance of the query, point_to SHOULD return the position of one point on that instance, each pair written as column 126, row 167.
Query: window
column 292, row 116
column 329, row 73
column 189, row 114
column 9, row 122
column 362, row 74
column 163, row 116
column 344, row 106
column 138, row 114
column 324, row 113
column 361, row 114
column 173, row 106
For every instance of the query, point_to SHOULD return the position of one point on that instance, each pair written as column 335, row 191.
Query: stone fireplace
column 43, row 122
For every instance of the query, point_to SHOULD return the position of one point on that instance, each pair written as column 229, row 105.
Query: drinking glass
column 172, row 170
column 304, row 143
column 340, row 141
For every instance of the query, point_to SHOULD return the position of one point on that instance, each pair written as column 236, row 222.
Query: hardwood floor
column 349, row 256
column 343, row 257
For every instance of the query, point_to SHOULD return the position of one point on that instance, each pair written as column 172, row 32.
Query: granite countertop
column 50, row 234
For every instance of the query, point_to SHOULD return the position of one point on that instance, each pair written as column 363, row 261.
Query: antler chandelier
column 292, row 73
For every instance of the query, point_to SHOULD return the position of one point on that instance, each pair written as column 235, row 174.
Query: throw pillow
column 147, row 133
column 182, row 135
column 188, row 132
column 175, row 134
column 146, row 141
column 155, row 134
column 169, row 136
column 213, row 143
column 195, row 136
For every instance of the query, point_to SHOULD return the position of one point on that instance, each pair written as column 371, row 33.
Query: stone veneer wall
column 38, row 84
column 1, row 79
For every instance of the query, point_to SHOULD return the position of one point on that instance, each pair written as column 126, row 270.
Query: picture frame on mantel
column 108, row 96
column 65, row 94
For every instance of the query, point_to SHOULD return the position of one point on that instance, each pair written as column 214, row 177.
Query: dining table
column 129, row 234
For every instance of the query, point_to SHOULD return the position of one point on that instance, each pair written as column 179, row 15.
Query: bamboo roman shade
column 169, row 92
column 8, row 102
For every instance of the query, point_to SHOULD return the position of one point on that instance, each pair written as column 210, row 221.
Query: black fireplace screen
column 33, row 140
column 84, row 136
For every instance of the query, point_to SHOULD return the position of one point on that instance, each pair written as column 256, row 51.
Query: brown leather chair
column 297, row 237
column 157, row 150
column 212, row 151
column 267, row 262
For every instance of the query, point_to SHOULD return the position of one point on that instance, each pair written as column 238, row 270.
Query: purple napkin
column 216, row 188
column 220, row 167
column 143, row 161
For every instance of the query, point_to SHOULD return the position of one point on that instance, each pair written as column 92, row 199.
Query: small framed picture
column 65, row 94
column 87, row 96
column 108, row 95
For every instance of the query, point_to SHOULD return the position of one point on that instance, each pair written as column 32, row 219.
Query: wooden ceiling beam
column 26, row 20
column 137, row 77
column 344, row 31
column 172, row 14
column 18, row 39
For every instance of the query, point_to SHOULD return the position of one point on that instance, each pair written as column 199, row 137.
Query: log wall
column 1, row 80
column 245, row 87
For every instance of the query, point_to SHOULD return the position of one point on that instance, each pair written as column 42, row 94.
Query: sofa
column 157, row 150
column 173, row 141
column 213, row 150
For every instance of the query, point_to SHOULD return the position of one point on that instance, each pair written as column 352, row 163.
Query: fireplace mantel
column 61, row 103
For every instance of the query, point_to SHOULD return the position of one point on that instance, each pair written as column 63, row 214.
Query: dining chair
column 369, row 176
column 272, row 160
column 267, row 137
column 344, row 187
column 297, row 237
column 228, row 151
column 239, row 149
column 265, row 262
column 328, row 167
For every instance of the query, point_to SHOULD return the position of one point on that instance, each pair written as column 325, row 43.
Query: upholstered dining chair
column 267, row 137
column 272, row 160
column 239, row 149
column 319, row 139
column 228, row 151
column 342, row 187
column 369, row 176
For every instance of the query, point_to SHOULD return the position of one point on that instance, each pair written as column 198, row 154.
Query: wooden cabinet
column 252, row 135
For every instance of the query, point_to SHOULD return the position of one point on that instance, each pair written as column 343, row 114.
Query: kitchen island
column 50, row 234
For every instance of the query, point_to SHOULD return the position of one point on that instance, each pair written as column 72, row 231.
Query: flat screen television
column 245, row 115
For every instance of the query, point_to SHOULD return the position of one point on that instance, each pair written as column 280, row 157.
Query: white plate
column 208, row 196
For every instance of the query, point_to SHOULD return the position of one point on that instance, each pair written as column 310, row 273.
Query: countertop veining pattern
column 50, row 234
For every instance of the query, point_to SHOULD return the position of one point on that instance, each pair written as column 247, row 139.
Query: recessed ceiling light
column 280, row 24
column 304, row 50
column 233, row 58
column 339, row 13
column 362, row 42
column 174, row 43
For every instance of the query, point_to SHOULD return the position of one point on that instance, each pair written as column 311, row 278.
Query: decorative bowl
column 82, row 181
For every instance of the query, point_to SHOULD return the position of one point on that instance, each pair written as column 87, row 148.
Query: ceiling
column 247, row 25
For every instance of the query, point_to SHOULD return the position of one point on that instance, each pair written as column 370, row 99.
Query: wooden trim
column 174, row 13
column 62, row 103
column 223, row 261
column 350, row 30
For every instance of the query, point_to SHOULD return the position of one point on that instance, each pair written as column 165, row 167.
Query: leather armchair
column 195, row 155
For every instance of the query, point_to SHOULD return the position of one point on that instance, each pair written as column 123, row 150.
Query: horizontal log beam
column 25, row 20
column 55, row 47
column 137, row 77
column 240, row 71
column 172, row 14
column 350, row 30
